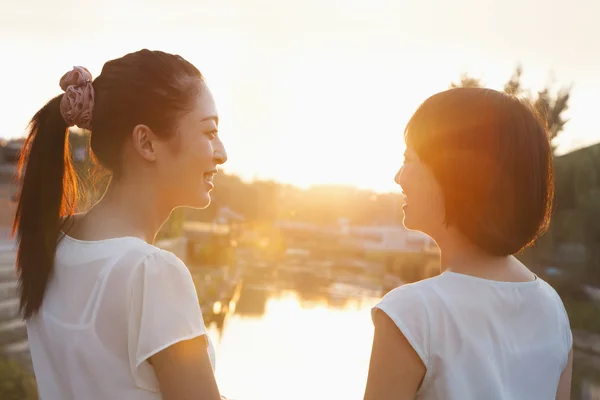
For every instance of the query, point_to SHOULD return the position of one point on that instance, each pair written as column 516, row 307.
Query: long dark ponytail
column 48, row 191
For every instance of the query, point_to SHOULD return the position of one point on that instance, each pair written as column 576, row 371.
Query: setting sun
column 314, row 93
column 207, row 202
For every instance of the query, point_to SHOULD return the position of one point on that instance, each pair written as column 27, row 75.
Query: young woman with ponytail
column 109, row 315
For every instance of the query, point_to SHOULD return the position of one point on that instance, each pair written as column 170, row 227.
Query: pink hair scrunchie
column 77, row 103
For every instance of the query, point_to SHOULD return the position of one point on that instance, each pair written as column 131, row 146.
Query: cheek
column 422, row 188
column 186, row 167
column 195, row 156
column 433, row 196
column 201, row 152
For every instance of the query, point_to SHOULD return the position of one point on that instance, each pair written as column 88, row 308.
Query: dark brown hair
column 145, row 87
column 491, row 154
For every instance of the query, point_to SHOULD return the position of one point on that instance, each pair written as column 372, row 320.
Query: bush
column 568, row 289
column 583, row 315
column 15, row 382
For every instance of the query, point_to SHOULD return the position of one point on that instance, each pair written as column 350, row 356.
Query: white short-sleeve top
column 108, row 307
column 482, row 339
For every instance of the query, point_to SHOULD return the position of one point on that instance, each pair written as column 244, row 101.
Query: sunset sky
column 312, row 91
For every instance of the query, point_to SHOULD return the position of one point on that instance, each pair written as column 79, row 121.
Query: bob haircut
column 491, row 154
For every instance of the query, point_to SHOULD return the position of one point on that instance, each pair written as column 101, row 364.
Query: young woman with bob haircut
column 477, row 176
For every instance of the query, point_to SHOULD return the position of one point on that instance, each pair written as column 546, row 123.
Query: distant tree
column 590, row 210
column 266, row 201
column 467, row 81
column 550, row 106
column 513, row 86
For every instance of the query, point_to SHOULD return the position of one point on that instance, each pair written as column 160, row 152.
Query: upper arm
column 564, row 384
column 184, row 371
column 395, row 370
column 167, row 337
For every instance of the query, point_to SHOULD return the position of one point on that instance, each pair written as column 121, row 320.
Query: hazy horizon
column 312, row 92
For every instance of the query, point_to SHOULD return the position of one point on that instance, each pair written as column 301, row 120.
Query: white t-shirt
column 482, row 339
column 109, row 306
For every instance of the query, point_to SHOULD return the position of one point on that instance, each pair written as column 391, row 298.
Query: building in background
column 389, row 239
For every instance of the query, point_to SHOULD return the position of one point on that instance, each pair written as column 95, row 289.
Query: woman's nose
column 220, row 154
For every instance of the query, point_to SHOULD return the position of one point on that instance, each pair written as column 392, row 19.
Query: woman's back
column 483, row 339
column 109, row 305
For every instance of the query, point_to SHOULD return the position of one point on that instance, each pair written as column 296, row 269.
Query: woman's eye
column 211, row 135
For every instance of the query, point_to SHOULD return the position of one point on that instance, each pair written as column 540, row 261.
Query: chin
column 410, row 224
column 406, row 223
column 204, row 202
column 201, row 201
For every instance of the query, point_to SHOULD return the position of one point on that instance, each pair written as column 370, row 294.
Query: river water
column 296, row 336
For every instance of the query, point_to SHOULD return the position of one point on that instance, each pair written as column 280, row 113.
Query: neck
column 127, row 209
column 458, row 255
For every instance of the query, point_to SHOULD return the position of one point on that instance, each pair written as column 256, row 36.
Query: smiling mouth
column 209, row 176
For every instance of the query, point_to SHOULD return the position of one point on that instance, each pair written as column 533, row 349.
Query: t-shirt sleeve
column 164, row 310
column 406, row 307
column 568, row 331
column 566, row 327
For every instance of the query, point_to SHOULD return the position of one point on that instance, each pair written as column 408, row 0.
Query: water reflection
column 299, row 335
column 293, row 338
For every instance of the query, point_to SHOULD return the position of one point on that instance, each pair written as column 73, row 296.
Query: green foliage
column 267, row 201
column 213, row 254
column 413, row 267
column 549, row 103
column 173, row 227
column 15, row 382
column 583, row 315
column 513, row 86
column 467, row 81
column 576, row 217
